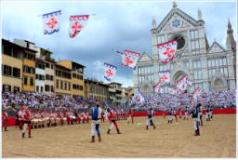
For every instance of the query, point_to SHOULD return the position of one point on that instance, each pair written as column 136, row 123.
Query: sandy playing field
column 218, row 139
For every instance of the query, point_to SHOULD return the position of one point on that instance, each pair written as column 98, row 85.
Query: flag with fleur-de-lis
column 164, row 76
column 77, row 23
column 109, row 71
column 167, row 51
column 130, row 58
column 51, row 22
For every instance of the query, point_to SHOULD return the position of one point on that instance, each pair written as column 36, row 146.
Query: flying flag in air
column 138, row 98
column 164, row 76
column 183, row 83
column 109, row 71
column 167, row 51
column 77, row 23
column 130, row 58
column 51, row 22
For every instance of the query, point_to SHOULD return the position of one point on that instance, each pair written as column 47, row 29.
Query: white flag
column 167, row 51
column 51, row 22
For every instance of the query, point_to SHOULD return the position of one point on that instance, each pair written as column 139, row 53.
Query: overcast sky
column 116, row 25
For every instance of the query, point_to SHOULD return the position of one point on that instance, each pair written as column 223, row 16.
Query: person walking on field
column 5, row 120
column 195, row 116
column 26, row 120
column 131, row 116
column 95, row 126
column 149, row 120
column 112, row 121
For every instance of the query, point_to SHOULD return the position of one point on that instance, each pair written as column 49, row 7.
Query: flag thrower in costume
column 51, row 22
column 77, row 23
column 130, row 58
column 109, row 71
column 167, row 51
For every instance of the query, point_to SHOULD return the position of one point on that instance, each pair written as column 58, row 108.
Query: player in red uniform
column 131, row 116
column 111, row 115
column 26, row 118
column 4, row 120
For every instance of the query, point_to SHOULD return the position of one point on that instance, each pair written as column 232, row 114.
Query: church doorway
column 178, row 75
column 219, row 84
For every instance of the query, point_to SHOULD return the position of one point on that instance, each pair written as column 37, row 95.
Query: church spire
column 199, row 14
column 154, row 24
column 174, row 4
column 200, row 20
column 230, row 41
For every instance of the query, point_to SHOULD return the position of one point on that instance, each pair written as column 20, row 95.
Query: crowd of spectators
column 163, row 101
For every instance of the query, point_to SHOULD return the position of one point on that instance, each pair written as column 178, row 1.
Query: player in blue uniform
column 195, row 116
column 95, row 126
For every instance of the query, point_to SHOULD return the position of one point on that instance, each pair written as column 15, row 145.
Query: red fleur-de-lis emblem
column 109, row 73
column 163, row 78
column 128, row 61
column 76, row 27
column 169, row 52
column 52, row 22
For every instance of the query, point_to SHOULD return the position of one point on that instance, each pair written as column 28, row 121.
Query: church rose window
column 180, row 42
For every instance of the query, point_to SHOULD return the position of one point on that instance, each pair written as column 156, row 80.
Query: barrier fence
column 12, row 120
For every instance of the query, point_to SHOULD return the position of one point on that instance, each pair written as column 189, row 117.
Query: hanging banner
column 77, row 23
column 130, row 58
column 109, row 71
column 167, row 51
column 51, row 22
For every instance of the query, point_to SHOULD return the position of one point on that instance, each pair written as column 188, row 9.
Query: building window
column 224, row 61
column 41, row 88
column 61, row 84
column 65, row 86
column 37, row 88
column 6, row 88
column 16, row 89
column 52, row 89
column 7, row 70
column 25, row 80
column 47, row 65
column 31, row 82
column 16, row 72
column 7, row 50
column 47, row 88
column 57, row 83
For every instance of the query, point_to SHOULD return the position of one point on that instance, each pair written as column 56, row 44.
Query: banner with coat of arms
column 130, row 58
column 164, row 76
column 77, row 23
column 51, row 22
column 109, row 71
column 167, row 51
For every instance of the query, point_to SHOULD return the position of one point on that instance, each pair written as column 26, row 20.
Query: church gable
column 176, row 19
column 216, row 47
column 145, row 59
